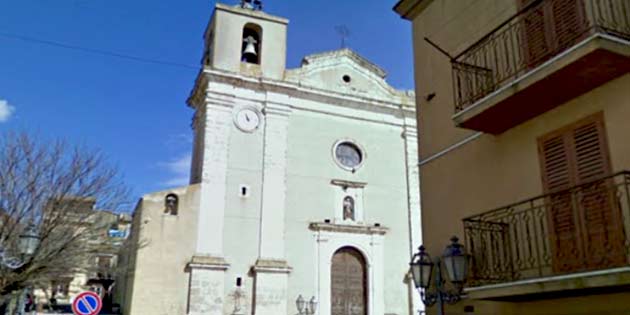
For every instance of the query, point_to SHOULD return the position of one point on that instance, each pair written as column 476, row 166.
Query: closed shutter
column 568, row 22
column 535, row 32
column 558, row 176
column 550, row 27
column 601, row 215
column 585, row 219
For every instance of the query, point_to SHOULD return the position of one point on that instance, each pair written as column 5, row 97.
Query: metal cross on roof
column 344, row 33
column 252, row 4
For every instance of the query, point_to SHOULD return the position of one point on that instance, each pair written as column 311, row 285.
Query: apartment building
column 523, row 109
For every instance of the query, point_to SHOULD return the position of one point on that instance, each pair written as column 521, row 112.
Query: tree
column 53, row 189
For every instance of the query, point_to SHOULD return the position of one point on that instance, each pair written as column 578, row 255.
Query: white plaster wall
column 166, row 243
column 229, row 39
column 312, row 198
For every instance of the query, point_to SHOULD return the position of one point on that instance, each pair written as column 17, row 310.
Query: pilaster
column 271, row 270
column 410, row 136
column 207, row 268
column 271, row 282
column 272, row 242
column 214, row 164
column 207, row 282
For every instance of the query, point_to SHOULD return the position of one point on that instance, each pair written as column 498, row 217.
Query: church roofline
column 400, row 100
column 350, row 54
column 248, row 12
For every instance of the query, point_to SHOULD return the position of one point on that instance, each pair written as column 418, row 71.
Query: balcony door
column 550, row 26
column 349, row 283
column 584, row 218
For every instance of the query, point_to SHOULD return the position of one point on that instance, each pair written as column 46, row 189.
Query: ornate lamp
column 434, row 292
column 300, row 303
column 29, row 241
column 312, row 305
column 304, row 309
column 421, row 268
column 456, row 261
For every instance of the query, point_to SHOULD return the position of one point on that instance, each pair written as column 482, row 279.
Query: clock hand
column 247, row 117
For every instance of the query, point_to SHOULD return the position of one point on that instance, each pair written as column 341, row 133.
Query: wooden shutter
column 586, row 218
column 567, row 22
column 535, row 32
column 601, row 215
column 550, row 27
column 565, row 235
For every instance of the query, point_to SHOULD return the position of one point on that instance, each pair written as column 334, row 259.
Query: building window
column 171, row 204
column 252, row 41
column 348, row 155
column 573, row 159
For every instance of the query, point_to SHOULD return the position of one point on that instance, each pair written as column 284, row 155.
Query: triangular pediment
column 342, row 71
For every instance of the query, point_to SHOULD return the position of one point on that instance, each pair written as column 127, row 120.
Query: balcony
column 574, row 239
column 548, row 53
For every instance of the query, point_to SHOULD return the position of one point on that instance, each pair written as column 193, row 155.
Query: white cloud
column 6, row 110
column 179, row 169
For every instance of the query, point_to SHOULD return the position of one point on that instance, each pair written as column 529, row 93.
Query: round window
column 348, row 155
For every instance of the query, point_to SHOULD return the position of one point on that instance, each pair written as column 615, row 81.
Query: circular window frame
column 354, row 143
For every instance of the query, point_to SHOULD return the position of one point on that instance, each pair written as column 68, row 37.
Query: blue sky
column 135, row 112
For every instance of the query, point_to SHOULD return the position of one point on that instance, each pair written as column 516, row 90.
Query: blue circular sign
column 87, row 303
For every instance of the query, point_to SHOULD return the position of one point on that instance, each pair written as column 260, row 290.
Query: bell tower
column 246, row 40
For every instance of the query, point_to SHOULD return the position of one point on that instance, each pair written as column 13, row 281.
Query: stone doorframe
column 368, row 240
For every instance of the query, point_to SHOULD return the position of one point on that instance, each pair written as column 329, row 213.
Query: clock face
column 247, row 120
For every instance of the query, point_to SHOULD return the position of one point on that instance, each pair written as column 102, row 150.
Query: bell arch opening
column 251, row 43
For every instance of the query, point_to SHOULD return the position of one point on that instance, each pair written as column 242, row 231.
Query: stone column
column 271, row 269
column 207, row 266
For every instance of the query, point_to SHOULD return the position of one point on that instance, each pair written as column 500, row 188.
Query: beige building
column 303, row 183
column 100, row 268
column 523, row 124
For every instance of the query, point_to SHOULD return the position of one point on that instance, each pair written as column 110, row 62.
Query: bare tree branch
column 56, row 189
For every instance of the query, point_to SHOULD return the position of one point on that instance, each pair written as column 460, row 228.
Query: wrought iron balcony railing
column 539, row 31
column 579, row 229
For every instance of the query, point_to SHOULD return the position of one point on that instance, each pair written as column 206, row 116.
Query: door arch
column 348, row 283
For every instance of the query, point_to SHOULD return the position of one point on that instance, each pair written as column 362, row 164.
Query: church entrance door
column 349, row 283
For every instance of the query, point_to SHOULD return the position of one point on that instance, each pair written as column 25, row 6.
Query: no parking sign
column 87, row 303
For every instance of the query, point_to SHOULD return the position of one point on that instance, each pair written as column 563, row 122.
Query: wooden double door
column 349, row 283
column 583, row 214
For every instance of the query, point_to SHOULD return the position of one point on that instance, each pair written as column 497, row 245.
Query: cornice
column 271, row 266
column 335, row 54
column 208, row 262
column 409, row 9
column 277, row 109
column 347, row 183
column 247, row 12
column 348, row 228
column 297, row 90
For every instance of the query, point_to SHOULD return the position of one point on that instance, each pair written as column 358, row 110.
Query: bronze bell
column 250, row 48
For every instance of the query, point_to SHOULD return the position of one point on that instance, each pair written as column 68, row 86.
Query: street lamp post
column 455, row 261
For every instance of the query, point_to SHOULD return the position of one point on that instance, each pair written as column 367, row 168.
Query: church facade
column 303, row 195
